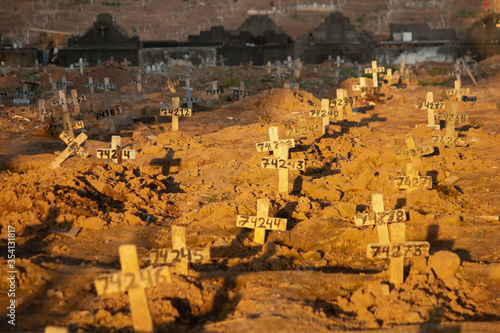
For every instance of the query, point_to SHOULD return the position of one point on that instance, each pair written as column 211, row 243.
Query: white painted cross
column 179, row 255
column 116, row 153
column 74, row 146
column 25, row 93
column 109, row 113
column 66, row 119
column 53, row 85
column 413, row 152
column 343, row 101
column 450, row 139
column 389, row 77
column 274, row 142
column 80, row 62
column 189, row 99
column 412, row 180
column 297, row 70
column 458, row 91
column 90, row 85
column 261, row 222
column 374, row 71
column 64, row 83
column 134, row 281
column 430, row 106
column 283, row 164
column 175, row 112
column 42, row 111
column 361, row 86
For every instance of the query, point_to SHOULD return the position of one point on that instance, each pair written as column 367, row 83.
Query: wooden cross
column 139, row 82
column 324, row 113
column 261, row 222
column 283, row 164
column 380, row 217
column 67, row 126
column 74, row 146
column 215, row 92
column 397, row 249
column 343, row 101
column 116, row 153
column 171, row 85
column 374, row 71
column 361, row 86
column 450, row 139
column 179, row 255
column 65, row 115
column 269, row 67
column 241, row 92
column 303, row 129
column 430, row 106
column 175, row 112
column 389, row 77
column 274, row 142
column 134, row 281
column 412, row 180
column 109, row 113
column 106, row 86
column 125, row 63
column 458, row 92
column 74, row 96
column 413, row 152
column 90, row 85
column 42, row 111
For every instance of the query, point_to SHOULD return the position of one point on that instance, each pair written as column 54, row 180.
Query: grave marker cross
column 134, row 281
column 175, row 112
column 374, row 71
column 261, row 222
column 74, row 146
column 274, row 141
column 180, row 255
column 116, row 153
column 413, row 152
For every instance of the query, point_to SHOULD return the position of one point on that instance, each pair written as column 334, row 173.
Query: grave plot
column 317, row 273
column 450, row 138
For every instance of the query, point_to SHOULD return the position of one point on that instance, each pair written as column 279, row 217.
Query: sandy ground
column 315, row 276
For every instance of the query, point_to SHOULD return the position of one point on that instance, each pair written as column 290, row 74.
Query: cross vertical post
column 396, row 265
column 175, row 119
column 139, row 307
column 106, row 84
column 111, row 123
column 378, row 207
column 65, row 115
column 179, row 243
column 283, row 173
column 74, row 96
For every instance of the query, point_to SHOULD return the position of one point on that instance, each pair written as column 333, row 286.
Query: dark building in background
column 483, row 38
column 335, row 37
column 103, row 40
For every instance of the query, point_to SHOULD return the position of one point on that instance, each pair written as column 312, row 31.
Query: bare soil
column 312, row 277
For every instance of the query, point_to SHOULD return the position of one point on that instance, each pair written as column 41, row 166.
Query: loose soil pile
column 312, row 277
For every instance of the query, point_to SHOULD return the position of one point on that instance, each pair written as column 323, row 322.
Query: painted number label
column 343, row 101
column 167, row 256
column 279, row 163
column 270, row 146
column 420, row 151
column 121, row 282
column 270, row 223
column 408, row 249
column 450, row 116
column 112, row 154
column 176, row 112
column 108, row 113
column 302, row 130
column 398, row 215
column 324, row 113
column 413, row 182
column 430, row 106
column 450, row 141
